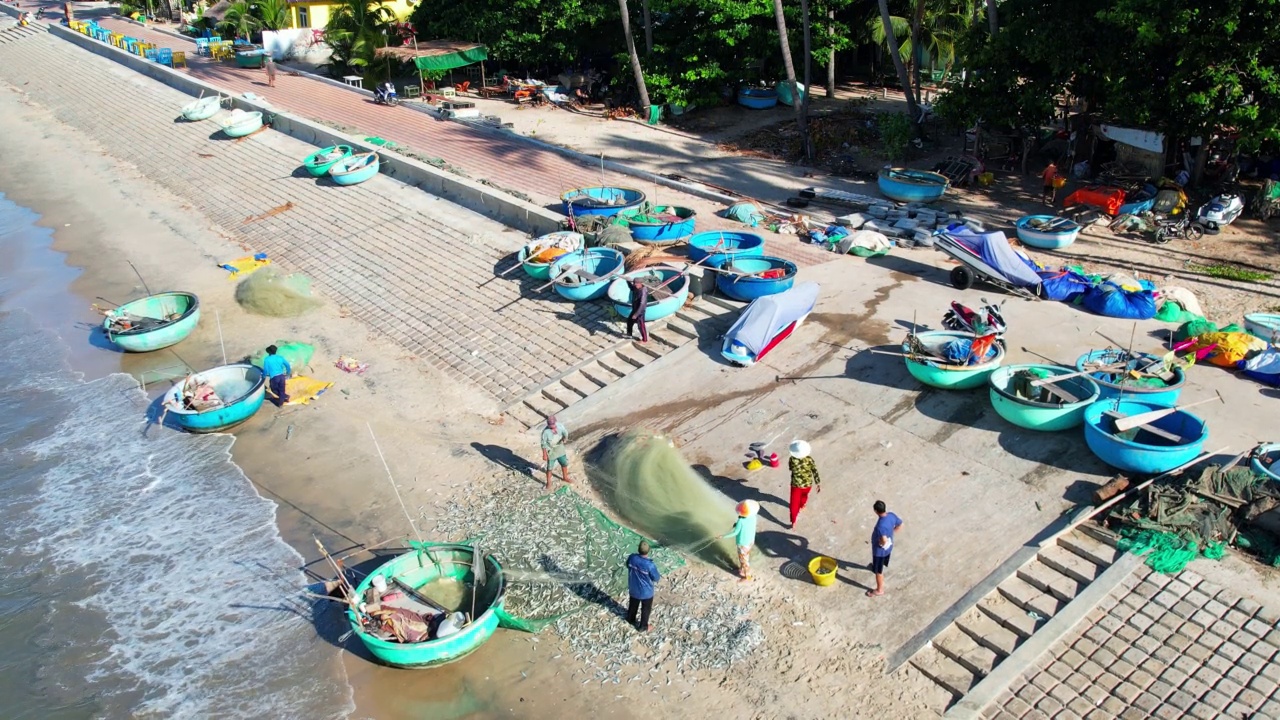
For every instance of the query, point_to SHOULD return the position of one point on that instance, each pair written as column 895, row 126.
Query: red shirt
column 1049, row 173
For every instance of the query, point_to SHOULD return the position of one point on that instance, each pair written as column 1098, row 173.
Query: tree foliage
column 240, row 21
column 274, row 14
column 356, row 29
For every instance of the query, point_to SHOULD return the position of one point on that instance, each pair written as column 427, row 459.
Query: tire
column 961, row 277
column 1193, row 232
column 1161, row 237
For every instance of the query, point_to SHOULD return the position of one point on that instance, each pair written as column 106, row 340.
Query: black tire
column 1161, row 237
column 961, row 277
column 1193, row 232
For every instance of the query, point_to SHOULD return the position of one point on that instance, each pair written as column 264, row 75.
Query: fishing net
column 267, row 292
column 297, row 354
column 1166, row 552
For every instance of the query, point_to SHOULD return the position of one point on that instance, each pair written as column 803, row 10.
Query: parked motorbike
column 987, row 320
column 1220, row 212
column 1181, row 226
column 385, row 94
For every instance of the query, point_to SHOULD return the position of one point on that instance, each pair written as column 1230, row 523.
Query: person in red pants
column 804, row 477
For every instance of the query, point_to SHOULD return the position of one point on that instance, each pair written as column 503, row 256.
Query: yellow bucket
column 986, row 179
column 823, row 570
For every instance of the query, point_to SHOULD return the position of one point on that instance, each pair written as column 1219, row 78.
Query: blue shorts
column 878, row 564
column 563, row 460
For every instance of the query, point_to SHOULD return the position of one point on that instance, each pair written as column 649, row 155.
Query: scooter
column 1220, row 212
column 385, row 94
column 987, row 320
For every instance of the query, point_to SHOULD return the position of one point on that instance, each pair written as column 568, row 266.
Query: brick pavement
column 501, row 158
column 414, row 267
column 1158, row 647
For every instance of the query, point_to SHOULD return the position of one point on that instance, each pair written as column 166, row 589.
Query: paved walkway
column 501, row 158
column 1159, row 647
column 415, row 268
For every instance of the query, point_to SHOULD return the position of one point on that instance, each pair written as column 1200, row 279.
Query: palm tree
column 635, row 58
column 274, row 14
column 239, row 21
column 801, row 121
column 356, row 29
column 991, row 17
column 888, row 34
column 932, row 33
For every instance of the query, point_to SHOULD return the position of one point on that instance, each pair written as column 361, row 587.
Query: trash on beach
column 269, row 293
column 246, row 265
column 273, row 211
column 351, row 365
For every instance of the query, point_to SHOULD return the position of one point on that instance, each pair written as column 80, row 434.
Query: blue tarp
column 994, row 250
column 765, row 317
column 1111, row 300
column 1063, row 285
column 1264, row 367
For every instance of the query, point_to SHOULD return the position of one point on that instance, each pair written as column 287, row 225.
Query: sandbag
column 1063, row 285
column 1111, row 300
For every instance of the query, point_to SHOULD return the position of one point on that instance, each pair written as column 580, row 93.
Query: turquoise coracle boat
column 1138, row 450
column 1047, row 232
column 433, row 572
column 758, row 98
column 661, row 225
column 1059, row 406
column 748, row 278
column 716, row 247
column 241, row 124
column 909, row 186
column 604, row 200
column 319, row 162
column 929, row 367
column 662, row 303
column 355, row 169
column 154, row 322
column 565, row 240
column 585, row 275
column 241, row 388
column 1114, row 384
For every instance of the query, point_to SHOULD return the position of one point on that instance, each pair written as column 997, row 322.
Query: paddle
column 1133, row 421
column 567, row 272
column 1056, row 378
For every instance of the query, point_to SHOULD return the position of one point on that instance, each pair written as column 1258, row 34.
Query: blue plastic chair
column 164, row 56
column 207, row 34
column 152, row 54
column 215, row 39
column 131, row 44
column 202, row 45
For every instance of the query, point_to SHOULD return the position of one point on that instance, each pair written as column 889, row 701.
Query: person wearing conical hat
column 804, row 477
column 744, row 535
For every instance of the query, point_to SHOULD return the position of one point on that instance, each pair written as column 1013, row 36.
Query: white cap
column 379, row 583
column 799, row 449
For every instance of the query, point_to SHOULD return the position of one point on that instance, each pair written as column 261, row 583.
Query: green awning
column 449, row 61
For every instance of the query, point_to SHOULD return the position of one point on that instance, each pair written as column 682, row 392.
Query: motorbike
column 987, row 320
column 385, row 94
column 1220, row 212
column 1182, row 226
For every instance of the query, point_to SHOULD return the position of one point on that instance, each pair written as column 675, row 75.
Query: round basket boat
column 1138, row 450
column 673, row 294
column 662, row 225
column 1112, row 385
column 241, row 124
column 586, row 274
column 758, row 98
column 1263, row 325
column 202, row 109
column 1048, row 407
column 1047, row 232
column 242, row 388
column 1264, row 460
column 716, row 247
column 419, row 570
column 318, row 163
column 906, row 185
column 539, row 268
column 154, row 322
column 936, row 373
column 748, row 278
column 603, row 200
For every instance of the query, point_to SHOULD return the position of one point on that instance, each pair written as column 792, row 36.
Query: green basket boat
column 935, row 372
column 421, row 569
column 1048, row 408
column 153, row 322
column 319, row 162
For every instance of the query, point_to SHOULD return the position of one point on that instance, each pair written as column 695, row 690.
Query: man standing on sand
column 882, row 544
column 639, row 299
column 554, row 436
column 1049, row 174
column 278, row 371
column 744, row 536
column 804, row 477
column 642, row 575
column 271, row 70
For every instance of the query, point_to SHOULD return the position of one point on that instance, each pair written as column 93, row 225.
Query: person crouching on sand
column 744, row 535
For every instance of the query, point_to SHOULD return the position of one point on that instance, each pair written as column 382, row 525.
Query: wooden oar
column 1056, row 378
column 1133, row 421
column 568, row 271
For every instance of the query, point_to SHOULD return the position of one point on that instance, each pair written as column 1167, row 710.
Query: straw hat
column 799, row 449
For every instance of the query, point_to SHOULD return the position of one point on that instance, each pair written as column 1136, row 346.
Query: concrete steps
column 14, row 33
column 708, row 316
column 977, row 641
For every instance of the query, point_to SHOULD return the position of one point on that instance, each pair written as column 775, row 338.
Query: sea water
column 143, row 576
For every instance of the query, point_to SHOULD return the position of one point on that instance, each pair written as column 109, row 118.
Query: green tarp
column 449, row 61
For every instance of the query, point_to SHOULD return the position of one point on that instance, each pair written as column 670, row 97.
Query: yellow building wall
column 318, row 12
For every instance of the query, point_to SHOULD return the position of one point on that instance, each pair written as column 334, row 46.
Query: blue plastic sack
column 1111, row 300
column 1063, row 285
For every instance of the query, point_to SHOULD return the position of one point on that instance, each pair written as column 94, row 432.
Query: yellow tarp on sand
column 245, row 266
column 303, row 389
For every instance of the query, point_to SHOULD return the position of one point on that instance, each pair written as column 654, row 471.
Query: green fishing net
column 297, row 354
column 1172, row 312
column 1166, row 552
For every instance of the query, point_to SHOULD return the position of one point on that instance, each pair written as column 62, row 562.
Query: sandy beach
column 972, row 489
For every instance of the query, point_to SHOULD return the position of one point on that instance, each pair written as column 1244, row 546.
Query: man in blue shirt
column 882, row 544
column 278, row 371
column 642, row 574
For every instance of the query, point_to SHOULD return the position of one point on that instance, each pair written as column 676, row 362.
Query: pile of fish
column 566, row 563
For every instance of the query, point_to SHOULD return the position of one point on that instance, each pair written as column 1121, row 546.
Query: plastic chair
column 202, row 46
column 164, row 56
column 179, row 58
column 151, row 54
column 215, row 39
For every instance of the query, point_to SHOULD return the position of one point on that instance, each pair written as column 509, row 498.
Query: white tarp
column 1142, row 139
column 765, row 317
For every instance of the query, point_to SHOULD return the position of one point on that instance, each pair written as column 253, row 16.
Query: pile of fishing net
column 297, row 354
column 268, row 292
column 1166, row 552
column 651, row 255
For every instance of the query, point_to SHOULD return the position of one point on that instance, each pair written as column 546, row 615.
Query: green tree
column 889, row 32
column 356, row 29
column 634, row 57
column 274, row 14
column 540, row 34
column 801, row 121
column 931, row 35
column 240, row 21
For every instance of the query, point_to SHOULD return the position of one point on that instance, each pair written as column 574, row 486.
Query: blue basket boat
column 1047, row 232
column 935, row 372
column 1113, row 384
column 242, row 388
column 785, row 95
column 586, row 274
column 355, row 169
column 1041, row 408
column 153, row 322
column 758, row 98
column 661, row 225
column 907, row 186
column 716, row 247
column 565, row 240
column 662, row 303
column 1263, row 325
column 426, row 566
column 741, row 278
column 1264, row 459
column 1140, row 451
column 601, row 200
